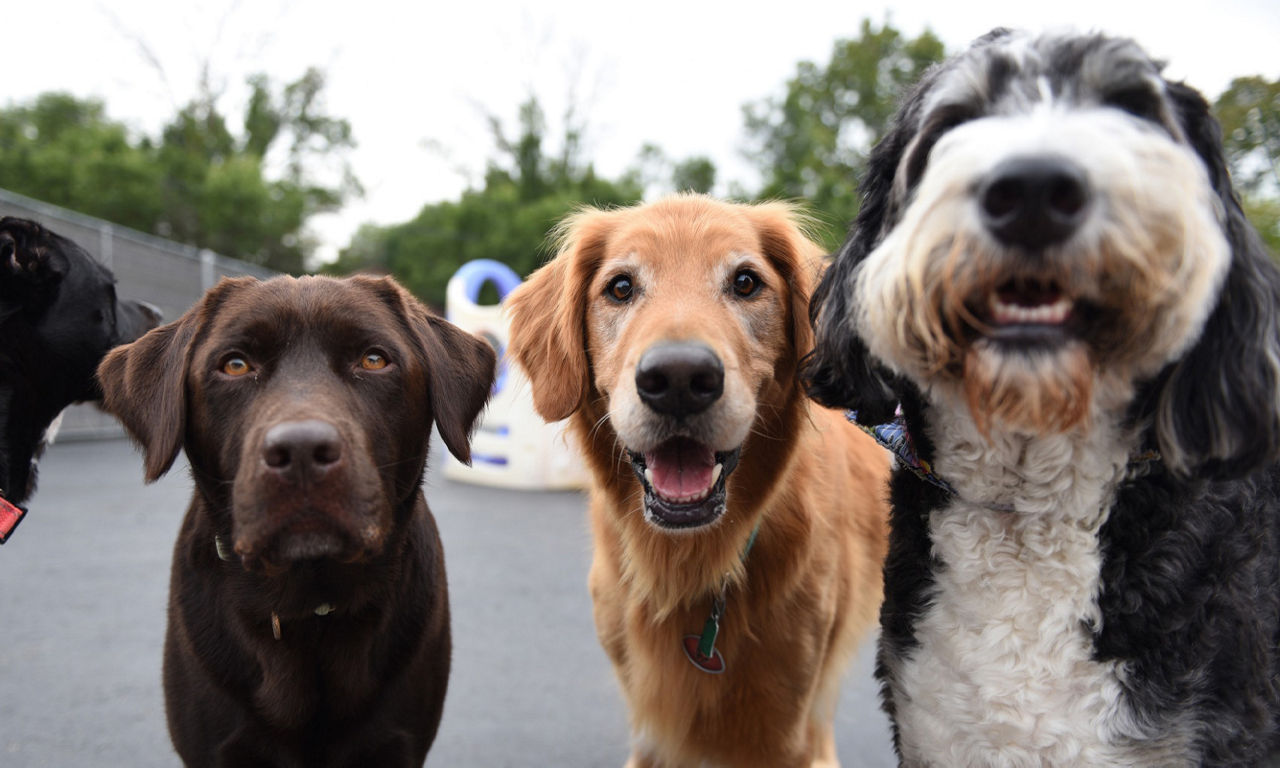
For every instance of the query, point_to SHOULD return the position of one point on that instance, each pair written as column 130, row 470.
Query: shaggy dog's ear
column 797, row 259
column 548, row 317
column 840, row 372
column 1218, row 408
column 145, row 383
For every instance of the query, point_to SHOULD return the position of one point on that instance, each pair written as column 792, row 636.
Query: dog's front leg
column 17, row 446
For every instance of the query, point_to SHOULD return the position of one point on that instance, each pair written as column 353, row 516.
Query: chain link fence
column 169, row 275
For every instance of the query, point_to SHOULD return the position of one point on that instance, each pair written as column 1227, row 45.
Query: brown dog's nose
column 679, row 379
column 302, row 450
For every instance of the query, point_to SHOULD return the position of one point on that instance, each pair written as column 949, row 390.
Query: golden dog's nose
column 679, row 378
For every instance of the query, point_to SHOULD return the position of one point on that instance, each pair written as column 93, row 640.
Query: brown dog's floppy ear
column 460, row 389
column 548, row 317
column 784, row 242
column 460, row 368
column 144, row 383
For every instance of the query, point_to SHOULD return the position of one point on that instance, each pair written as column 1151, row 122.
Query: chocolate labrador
column 308, row 612
column 59, row 315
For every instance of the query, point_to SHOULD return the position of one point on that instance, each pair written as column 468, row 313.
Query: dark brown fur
column 253, row 675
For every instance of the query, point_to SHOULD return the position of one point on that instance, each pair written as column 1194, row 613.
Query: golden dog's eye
column 373, row 360
column 620, row 289
column 746, row 283
column 236, row 366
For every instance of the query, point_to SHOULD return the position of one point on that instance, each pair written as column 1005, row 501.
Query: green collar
column 701, row 649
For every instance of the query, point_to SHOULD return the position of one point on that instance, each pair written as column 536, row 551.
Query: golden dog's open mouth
column 684, row 482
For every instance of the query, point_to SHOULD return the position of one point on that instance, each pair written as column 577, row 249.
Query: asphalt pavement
column 83, row 587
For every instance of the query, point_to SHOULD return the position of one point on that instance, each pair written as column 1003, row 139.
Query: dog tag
column 713, row 664
column 10, row 516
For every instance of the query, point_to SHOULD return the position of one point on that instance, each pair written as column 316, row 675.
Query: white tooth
column 648, row 476
column 715, row 474
column 1044, row 314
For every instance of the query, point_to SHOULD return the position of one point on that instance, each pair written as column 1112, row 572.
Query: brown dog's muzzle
column 303, row 494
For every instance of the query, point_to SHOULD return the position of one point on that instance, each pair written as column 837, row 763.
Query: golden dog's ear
column 784, row 242
column 548, row 316
column 144, row 384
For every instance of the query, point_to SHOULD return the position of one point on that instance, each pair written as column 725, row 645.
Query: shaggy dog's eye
column 620, row 289
column 1139, row 101
column 236, row 366
column 374, row 360
column 746, row 284
column 942, row 121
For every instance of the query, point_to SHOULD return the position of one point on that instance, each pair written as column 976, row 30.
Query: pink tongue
column 681, row 467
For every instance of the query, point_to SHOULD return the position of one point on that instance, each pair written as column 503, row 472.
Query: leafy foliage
column 1249, row 111
column 66, row 151
column 526, row 191
column 198, row 182
column 811, row 144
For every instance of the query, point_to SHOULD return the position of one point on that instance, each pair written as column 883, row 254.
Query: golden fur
column 816, row 485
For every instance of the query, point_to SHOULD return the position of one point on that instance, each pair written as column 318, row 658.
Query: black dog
column 59, row 316
column 308, row 613
column 1051, row 276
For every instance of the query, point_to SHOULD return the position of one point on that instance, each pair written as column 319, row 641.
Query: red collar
column 10, row 516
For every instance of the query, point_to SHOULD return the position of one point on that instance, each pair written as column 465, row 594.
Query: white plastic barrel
column 512, row 446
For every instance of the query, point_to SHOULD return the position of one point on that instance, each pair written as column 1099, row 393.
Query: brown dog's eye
column 236, row 366
column 746, row 284
column 620, row 289
column 373, row 361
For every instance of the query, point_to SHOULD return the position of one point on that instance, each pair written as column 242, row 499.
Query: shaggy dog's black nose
column 679, row 379
column 1034, row 201
column 302, row 450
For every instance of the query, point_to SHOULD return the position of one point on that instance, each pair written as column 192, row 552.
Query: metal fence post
column 106, row 243
column 208, row 269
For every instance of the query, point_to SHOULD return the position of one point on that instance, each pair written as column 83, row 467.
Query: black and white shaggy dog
column 59, row 315
column 1052, row 278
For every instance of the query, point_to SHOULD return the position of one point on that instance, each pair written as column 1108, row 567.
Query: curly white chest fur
column 1004, row 673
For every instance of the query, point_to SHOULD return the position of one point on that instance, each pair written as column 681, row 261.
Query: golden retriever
column 670, row 334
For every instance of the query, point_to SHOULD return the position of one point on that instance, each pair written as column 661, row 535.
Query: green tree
column 199, row 182
column 218, row 193
column 695, row 174
column 526, row 190
column 811, row 144
column 1249, row 110
column 66, row 151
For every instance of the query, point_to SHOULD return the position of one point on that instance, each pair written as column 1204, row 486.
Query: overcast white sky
column 415, row 78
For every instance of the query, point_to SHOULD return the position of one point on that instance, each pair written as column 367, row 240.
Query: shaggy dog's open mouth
column 684, row 482
column 1029, row 312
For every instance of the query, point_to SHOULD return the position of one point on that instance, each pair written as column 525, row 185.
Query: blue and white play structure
column 512, row 446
